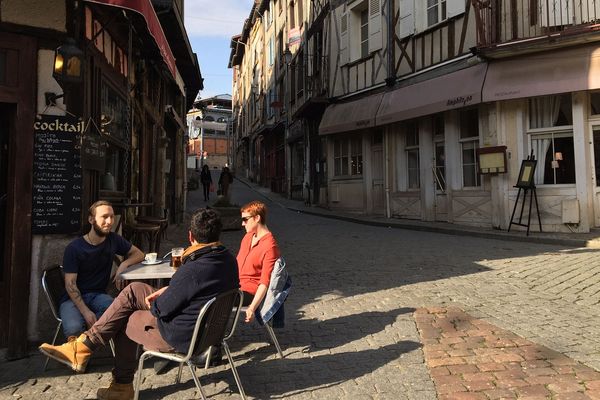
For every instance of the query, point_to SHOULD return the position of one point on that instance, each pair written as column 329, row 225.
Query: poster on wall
column 57, row 179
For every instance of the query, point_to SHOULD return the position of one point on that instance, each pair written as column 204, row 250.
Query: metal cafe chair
column 53, row 283
column 214, row 326
column 269, row 327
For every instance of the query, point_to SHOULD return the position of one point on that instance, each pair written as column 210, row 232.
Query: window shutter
column 407, row 18
column 344, row 36
column 455, row 7
column 375, row 36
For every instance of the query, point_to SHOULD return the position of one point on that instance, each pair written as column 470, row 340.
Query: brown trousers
column 128, row 322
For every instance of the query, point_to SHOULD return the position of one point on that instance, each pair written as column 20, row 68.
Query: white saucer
column 152, row 263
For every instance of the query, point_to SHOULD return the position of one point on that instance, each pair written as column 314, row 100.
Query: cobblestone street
column 351, row 319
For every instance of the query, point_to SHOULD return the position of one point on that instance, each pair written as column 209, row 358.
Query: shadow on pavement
column 293, row 375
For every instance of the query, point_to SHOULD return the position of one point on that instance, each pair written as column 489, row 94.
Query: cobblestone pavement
column 350, row 320
column 472, row 359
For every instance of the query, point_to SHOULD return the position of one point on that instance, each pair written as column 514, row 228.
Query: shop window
column 556, row 158
column 347, row 157
column 412, row 155
column 469, row 142
column 553, row 148
column 113, row 123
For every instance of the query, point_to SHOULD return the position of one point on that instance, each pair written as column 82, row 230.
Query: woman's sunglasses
column 245, row 219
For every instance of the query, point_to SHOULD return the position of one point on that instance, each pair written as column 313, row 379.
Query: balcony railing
column 500, row 21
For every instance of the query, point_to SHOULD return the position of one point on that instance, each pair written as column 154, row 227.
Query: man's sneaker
column 74, row 353
column 116, row 391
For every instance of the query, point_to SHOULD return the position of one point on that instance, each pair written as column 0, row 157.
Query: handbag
column 212, row 187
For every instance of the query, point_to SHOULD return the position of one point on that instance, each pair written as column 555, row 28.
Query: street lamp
column 68, row 62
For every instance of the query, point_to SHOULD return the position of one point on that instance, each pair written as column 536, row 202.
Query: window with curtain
column 412, row 155
column 469, row 142
column 551, row 139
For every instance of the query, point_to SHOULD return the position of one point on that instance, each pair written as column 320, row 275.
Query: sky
column 210, row 24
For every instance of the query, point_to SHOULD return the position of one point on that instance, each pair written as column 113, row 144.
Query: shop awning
column 556, row 71
column 357, row 114
column 144, row 7
column 454, row 90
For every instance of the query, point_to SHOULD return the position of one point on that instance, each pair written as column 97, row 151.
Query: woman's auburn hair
column 255, row 208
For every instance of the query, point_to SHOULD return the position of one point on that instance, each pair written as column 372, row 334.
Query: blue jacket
column 204, row 274
column 279, row 288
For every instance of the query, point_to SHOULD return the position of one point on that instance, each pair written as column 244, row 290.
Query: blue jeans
column 73, row 323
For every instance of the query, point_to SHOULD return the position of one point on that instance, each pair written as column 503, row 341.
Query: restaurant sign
column 57, row 180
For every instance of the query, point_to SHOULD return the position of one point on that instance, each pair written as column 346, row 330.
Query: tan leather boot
column 74, row 353
column 116, row 391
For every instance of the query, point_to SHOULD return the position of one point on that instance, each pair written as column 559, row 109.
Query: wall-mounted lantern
column 68, row 63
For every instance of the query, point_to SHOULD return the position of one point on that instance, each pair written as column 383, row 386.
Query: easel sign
column 525, row 183
column 526, row 174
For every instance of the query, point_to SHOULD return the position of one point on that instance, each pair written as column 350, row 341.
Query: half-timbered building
column 135, row 69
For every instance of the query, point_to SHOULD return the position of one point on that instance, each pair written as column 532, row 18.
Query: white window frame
column 453, row 8
column 441, row 12
column 343, row 145
column 550, row 133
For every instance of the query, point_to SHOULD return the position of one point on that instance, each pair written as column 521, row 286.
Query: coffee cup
column 150, row 257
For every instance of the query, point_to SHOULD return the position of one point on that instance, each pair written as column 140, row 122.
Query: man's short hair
column 255, row 208
column 99, row 203
column 206, row 225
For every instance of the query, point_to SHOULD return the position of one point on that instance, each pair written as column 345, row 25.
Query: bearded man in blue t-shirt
column 87, row 264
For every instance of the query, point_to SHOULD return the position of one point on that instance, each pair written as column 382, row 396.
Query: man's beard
column 99, row 230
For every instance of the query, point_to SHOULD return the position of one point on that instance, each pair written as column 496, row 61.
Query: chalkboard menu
column 93, row 152
column 57, row 174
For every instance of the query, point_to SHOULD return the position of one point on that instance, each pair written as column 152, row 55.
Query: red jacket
column 256, row 264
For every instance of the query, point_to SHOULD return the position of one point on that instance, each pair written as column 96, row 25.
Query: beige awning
column 556, row 71
column 357, row 114
column 454, row 90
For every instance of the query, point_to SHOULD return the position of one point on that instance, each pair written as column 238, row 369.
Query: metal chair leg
column 53, row 342
column 138, row 378
column 178, row 378
column 274, row 338
column 112, row 347
column 234, row 371
column 196, row 380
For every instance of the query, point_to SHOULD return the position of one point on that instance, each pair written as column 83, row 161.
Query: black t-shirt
column 93, row 264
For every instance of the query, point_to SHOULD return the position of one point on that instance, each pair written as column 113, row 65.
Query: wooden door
column 18, row 72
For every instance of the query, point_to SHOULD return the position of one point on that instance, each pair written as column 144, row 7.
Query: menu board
column 93, row 151
column 57, row 177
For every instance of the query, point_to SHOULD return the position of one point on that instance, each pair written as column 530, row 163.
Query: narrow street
column 351, row 319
